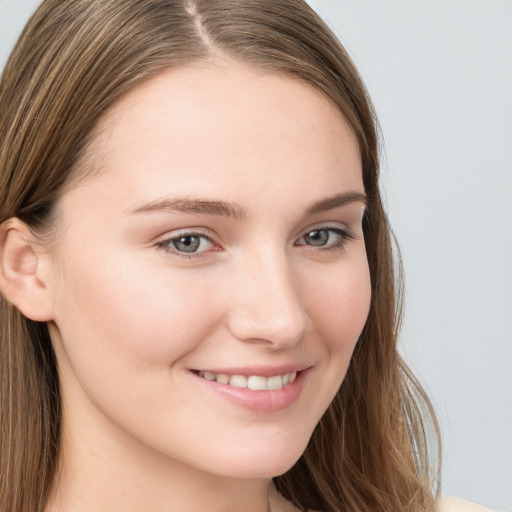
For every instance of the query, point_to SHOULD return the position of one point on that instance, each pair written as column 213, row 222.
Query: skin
column 130, row 320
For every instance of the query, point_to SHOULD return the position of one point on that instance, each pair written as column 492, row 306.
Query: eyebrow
column 336, row 201
column 237, row 212
column 199, row 206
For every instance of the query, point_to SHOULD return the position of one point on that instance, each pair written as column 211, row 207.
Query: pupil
column 317, row 237
column 187, row 243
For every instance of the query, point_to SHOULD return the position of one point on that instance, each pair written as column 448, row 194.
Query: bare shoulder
column 452, row 504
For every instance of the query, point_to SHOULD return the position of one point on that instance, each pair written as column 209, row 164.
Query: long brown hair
column 72, row 62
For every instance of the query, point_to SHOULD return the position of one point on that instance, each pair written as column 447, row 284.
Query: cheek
column 122, row 310
column 338, row 303
column 340, row 308
column 125, row 329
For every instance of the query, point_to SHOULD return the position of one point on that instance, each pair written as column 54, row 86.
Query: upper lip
column 263, row 371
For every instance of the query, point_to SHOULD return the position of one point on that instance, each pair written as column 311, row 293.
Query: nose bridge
column 269, row 305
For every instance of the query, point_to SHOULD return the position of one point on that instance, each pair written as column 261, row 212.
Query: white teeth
column 238, row 381
column 253, row 382
column 257, row 383
column 275, row 382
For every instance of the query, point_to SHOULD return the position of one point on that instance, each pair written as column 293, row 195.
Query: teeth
column 275, row 382
column 238, row 381
column 257, row 383
column 222, row 378
column 253, row 382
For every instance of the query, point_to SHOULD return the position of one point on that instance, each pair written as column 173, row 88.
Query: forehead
column 215, row 124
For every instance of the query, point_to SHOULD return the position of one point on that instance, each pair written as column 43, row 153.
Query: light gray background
column 440, row 74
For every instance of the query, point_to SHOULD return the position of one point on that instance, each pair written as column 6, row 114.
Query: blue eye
column 326, row 238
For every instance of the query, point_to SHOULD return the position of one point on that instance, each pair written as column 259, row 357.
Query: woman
column 197, row 270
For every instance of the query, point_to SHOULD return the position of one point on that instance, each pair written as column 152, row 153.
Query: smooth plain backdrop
column 440, row 75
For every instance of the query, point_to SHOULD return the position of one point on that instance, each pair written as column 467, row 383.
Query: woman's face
column 220, row 241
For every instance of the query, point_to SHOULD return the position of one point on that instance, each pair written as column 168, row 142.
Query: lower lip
column 259, row 401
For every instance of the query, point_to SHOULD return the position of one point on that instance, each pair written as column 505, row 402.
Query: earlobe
column 20, row 272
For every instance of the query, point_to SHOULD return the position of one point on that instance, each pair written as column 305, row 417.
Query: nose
column 266, row 303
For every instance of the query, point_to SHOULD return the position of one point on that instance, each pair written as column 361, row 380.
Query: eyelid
column 343, row 232
column 165, row 243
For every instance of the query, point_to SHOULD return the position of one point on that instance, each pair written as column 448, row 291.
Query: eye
column 325, row 238
column 187, row 244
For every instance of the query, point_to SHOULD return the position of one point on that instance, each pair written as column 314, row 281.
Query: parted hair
column 376, row 447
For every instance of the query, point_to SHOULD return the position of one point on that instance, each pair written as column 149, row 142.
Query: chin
column 268, row 461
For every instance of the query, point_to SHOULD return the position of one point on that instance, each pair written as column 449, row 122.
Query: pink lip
column 258, row 401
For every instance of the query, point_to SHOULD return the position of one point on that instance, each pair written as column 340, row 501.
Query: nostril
column 264, row 324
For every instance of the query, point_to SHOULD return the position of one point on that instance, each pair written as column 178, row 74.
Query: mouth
column 252, row 382
column 260, row 389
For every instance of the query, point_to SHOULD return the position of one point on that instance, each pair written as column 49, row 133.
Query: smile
column 252, row 382
column 260, row 389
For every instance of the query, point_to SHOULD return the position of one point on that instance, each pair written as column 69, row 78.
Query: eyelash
column 343, row 234
column 165, row 244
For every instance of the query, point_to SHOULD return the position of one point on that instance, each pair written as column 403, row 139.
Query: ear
column 22, row 273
